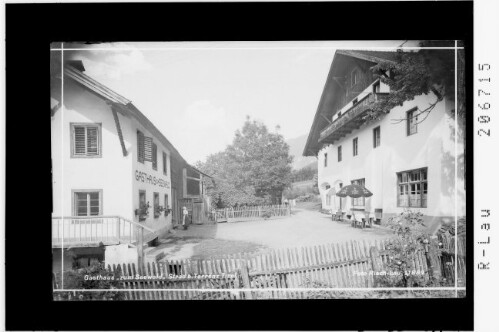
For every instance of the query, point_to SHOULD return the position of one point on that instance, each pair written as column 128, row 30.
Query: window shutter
column 140, row 146
column 148, row 148
column 92, row 141
column 154, row 156
column 79, row 141
column 165, row 167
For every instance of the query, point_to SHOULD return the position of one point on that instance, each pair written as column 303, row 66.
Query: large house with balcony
column 118, row 183
column 404, row 162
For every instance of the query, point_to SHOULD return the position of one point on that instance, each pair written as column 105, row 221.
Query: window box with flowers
column 143, row 211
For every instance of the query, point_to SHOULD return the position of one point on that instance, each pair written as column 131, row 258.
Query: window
column 165, row 165
column 355, row 77
column 339, row 153
column 87, row 203
column 142, row 198
column 325, row 159
column 412, row 188
column 412, row 122
column 166, row 204
column 85, row 140
column 154, row 156
column 355, row 101
column 355, row 146
column 140, row 147
column 377, row 87
column 361, row 201
column 156, row 205
column 376, row 137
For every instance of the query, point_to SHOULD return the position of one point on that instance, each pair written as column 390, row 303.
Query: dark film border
column 31, row 27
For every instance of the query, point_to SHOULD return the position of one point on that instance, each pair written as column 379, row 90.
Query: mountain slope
column 296, row 146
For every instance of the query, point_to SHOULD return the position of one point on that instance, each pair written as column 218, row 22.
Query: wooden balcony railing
column 350, row 120
column 92, row 231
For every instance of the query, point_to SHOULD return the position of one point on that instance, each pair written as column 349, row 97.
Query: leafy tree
column 417, row 73
column 254, row 169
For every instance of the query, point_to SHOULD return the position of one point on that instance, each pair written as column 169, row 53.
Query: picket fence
column 247, row 213
column 281, row 273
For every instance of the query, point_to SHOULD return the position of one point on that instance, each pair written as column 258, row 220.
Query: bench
column 338, row 216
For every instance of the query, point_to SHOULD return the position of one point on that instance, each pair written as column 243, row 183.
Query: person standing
column 185, row 214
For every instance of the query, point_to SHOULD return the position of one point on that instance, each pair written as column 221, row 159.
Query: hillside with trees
column 253, row 170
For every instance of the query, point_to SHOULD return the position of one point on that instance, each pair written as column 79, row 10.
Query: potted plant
column 157, row 211
column 143, row 211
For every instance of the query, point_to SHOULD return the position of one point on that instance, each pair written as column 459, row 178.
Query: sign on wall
column 150, row 179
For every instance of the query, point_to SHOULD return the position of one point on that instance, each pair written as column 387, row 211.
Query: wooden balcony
column 350, row 120
column 94, row 231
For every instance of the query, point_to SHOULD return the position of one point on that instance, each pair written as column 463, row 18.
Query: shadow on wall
column 448, row 166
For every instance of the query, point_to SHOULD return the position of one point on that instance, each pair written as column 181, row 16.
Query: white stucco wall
column 109, row 173
column 116, row 175
column 144, row 177
column 432, row 147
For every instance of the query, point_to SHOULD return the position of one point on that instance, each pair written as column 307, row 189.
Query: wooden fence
column 82, row 231
column 281, row 273
column 251, row 213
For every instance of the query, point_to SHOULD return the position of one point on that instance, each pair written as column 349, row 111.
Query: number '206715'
column 483, row 104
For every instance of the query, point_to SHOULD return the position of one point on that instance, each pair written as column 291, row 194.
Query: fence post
column 432, row 260
column 376, row 264
column 118, row 222
column 140, row 248
column 243, row 267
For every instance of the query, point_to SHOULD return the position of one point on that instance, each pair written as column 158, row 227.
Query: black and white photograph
column 258, row 170
column 217, row 165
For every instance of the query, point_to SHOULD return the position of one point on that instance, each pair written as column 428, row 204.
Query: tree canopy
column 417, row 73
column 254, row 169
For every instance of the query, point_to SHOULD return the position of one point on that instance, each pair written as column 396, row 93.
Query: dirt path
column 303, row 228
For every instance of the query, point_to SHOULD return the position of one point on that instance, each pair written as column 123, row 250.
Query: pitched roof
column 123, row 104
column 371, row 56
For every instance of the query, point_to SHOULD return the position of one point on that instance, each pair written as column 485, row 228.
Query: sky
column 199, row 94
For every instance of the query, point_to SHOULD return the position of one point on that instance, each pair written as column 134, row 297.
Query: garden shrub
column 91, row 277
column 410, row 241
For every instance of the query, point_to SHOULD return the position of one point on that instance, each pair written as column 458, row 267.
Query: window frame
column 353, row 75
column 86, row 191
column 154, row 205
column 167, row 205
column 154, row 156
column 325, row 159
column 410, row 115
column 72, row 126
column 355, row 146
column 340, row 157
column 165, row 163
column 328, row 197
column 361, row 182
column 141, row 147
column 376, row 139
column 142, row 191
column 422, row 183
